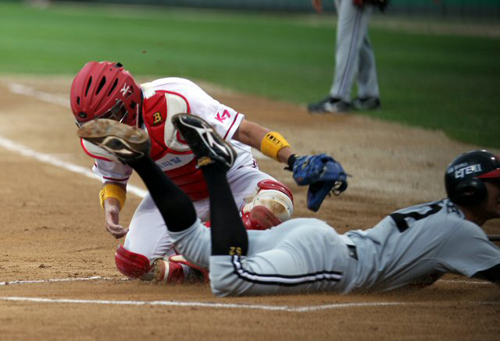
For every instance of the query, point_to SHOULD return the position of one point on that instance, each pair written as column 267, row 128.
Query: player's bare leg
column 215, row 157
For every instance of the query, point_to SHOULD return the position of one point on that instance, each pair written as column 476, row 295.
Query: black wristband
column 291, row 162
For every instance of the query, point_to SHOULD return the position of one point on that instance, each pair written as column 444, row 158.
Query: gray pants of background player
column 354, row 54
column 300, row 255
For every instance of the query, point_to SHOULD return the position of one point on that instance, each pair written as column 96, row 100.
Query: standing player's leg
column 368, row 91
column 351, row 29
column 352, row 26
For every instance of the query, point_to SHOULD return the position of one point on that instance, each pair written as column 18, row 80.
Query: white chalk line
column 70, row 279
column 24, row 90
column 451, row 281
column 208, row 304
column 201, row 304
column 46, row 158
column 94, row 278
column 228, row 305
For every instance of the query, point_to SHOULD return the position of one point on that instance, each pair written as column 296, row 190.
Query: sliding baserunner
column 411, row 247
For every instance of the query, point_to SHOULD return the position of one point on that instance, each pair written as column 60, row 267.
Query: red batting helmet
column 105, row 90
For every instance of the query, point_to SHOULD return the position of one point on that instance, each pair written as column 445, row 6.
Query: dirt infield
column 57, row 272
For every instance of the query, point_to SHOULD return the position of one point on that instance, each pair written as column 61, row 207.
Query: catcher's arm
column 270, row 143
column 112, row 197
column 320, row 172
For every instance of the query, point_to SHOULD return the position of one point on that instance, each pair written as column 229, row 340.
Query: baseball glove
column 322, row 173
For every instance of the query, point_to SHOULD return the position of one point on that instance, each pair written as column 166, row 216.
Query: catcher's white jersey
column 175, row 153
column 413, row 246
column 164, row 98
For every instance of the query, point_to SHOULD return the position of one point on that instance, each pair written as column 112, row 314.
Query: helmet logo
column 464, row 170
column 125, row 89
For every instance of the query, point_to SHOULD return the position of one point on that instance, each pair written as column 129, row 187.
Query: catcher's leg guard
column 176, row 270
column 271, row 204
column 259, row 218
column 131, row 264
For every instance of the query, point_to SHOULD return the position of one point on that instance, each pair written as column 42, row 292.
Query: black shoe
column 125, row 142
column 329, row 105
column 205, row 142
column 369, row 103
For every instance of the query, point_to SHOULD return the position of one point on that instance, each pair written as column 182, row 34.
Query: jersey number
column 400, row 218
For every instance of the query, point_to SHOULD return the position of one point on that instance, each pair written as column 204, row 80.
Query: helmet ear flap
column 469, row 192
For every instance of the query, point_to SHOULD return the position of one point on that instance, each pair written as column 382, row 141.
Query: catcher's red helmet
column 105, row 90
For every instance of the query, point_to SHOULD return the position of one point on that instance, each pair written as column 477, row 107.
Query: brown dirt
column 52, row 228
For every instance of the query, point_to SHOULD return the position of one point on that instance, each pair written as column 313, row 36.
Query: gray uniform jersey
column 415, row 245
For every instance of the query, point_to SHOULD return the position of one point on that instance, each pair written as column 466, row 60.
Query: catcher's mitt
column 323, row 174
column 381, row 4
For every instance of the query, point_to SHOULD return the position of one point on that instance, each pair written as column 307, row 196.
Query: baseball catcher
column 105, row 90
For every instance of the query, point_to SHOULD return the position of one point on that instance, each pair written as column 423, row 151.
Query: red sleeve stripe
column 232, row 124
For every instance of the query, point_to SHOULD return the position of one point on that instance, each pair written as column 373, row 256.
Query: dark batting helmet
column 465, row 176
column 105, row 90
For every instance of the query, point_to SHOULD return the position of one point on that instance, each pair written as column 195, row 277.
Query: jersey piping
column 283, row 280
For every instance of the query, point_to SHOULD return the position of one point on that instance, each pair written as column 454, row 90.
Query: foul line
column 302, row 309
column 71, row 279
column 96, row 278
column 204, row 305
column 24, row 90
column 464, row 282
column 299, row 309
column 46, row 158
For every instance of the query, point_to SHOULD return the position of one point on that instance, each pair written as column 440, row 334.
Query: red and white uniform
column 163, row 98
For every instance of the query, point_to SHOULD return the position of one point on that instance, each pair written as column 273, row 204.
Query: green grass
column 433, row 81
